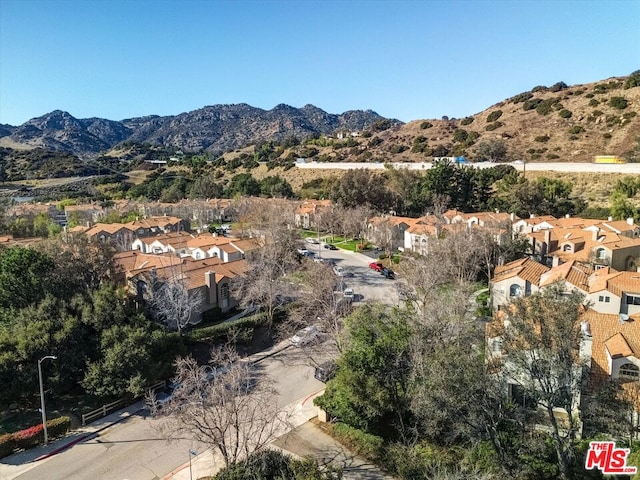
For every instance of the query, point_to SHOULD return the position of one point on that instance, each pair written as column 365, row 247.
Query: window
column 629, row 371
column 522, row 398
column 567, row 247
column 632, row 300
column 604, row 298
column 224, row 295
column 515, row 290
column 601, row 253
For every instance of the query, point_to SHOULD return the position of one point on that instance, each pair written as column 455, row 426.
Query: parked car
column 305, row 336
column 325, row 371
column 388, row 273
column 377, row 266
column 313, row 241
column 348, row 293
column 303, row 251
column 330, row 246
column 339, row 271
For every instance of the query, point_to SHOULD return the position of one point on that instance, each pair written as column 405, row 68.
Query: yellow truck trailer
column 609, row 159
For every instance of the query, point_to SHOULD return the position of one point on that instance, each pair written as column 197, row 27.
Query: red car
column 377, row 266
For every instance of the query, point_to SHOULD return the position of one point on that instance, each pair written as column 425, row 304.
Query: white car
column 305, row 336
column 339, row 271
column 348, row 293
column 313, row 241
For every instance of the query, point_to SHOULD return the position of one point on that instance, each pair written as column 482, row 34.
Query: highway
column 625, row 168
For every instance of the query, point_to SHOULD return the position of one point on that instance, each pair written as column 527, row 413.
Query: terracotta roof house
column 610, row 323
column 307, row 213
column 209, row 280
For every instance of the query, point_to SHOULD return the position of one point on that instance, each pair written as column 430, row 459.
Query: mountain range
column 216, row 128
column 555, row 123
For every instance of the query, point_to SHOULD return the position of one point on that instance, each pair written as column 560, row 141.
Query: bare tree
column 225, row 407
column 271, row 222
column 541, row 341
column 384, row 235
column 171, row 302
column 321, row 302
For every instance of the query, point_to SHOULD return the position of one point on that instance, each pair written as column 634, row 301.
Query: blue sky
column 403, row 59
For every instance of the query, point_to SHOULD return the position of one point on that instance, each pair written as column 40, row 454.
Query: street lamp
column 44, row 415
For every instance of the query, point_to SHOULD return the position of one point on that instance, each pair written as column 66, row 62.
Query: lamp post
column 44, row 414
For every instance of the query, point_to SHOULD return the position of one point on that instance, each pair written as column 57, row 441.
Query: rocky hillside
column 555, row 123
column 214, row 129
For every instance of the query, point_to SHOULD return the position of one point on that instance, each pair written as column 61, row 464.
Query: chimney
column 609, row 219
column 532, row 215
column 513, row 216
column 210, row 281
column 595, row 233
column 556, row 261
column 547, row 238
column 630, row 220
column 568, row 215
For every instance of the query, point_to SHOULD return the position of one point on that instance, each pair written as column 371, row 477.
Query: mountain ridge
column 556, row 123
column 213, row 128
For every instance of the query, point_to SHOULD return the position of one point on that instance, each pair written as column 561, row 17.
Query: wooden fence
column 106, row 409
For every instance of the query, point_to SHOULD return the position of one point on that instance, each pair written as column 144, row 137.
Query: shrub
column 493, row 126
column 545, row 106
column 7, row 445
column 361, row 443
column 522, row 97
column 398, row 149
column 593, row 102
column 374, row 142
column 576, row 129
column 597, row 113
column 589, row 95
column 629, row 115
column 556, row 87
column 613, row 120
column 633, row 80
column 564, row 113
column 531, row 104
column 460, row 135
column 425, row 125
column 542, row 138
column 466, row 121
column 539, row 88
column 618, row 102
column 29, row 437
column 493, row 116
column 606, row 136
column 573, row 137
column 552, row 156
column 58, row 426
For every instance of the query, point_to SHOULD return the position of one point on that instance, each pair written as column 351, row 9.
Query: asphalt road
column 626, row 168
column 138, row 449
column 367, row 284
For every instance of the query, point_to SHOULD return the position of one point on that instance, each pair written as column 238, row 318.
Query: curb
column 86, row 436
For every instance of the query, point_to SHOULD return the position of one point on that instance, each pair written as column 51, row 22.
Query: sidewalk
column 18, row 463
column 209, row 463
column 309, row 440
column 15, row 465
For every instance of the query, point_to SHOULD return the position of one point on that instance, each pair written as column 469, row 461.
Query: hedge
column 32, row 436
column 7, row 445
column 361, row 443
